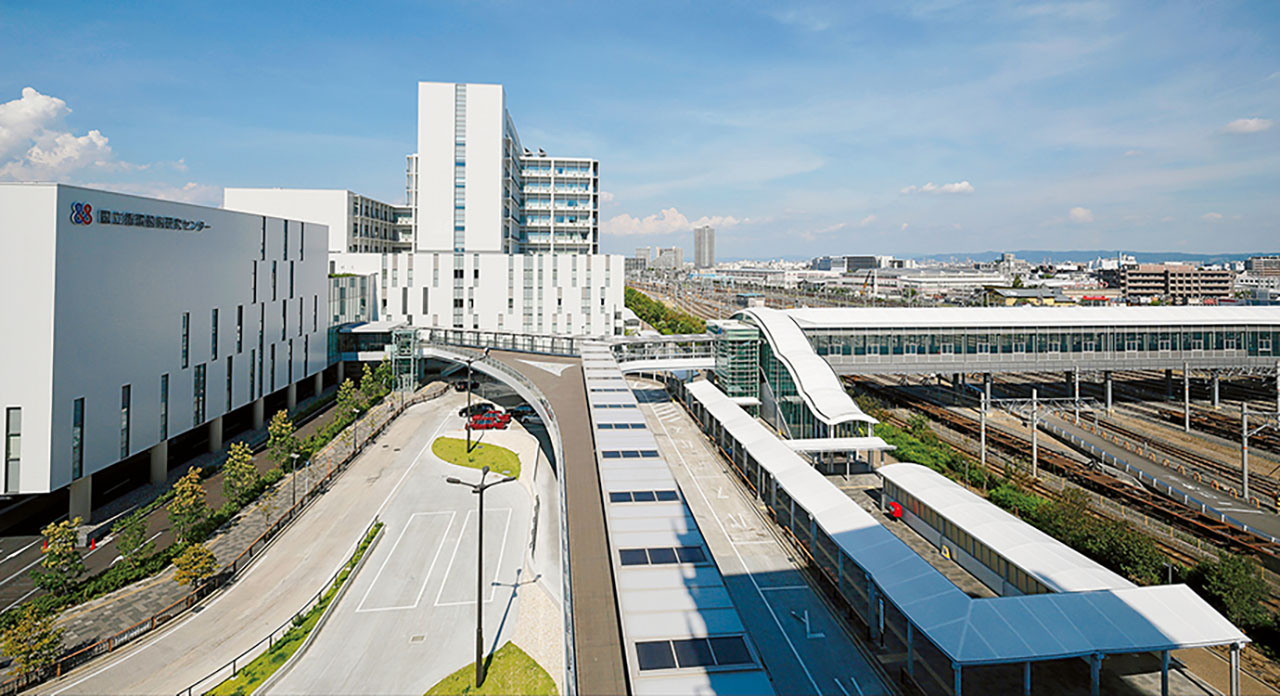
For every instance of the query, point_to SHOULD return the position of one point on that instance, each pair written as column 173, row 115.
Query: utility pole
column 293, row 478
column 467, row 425
column 982, row 438
column 1244, row 449
column 1035, row 443
column 479, row 489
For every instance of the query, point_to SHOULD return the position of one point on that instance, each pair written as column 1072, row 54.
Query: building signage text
column 82, row 214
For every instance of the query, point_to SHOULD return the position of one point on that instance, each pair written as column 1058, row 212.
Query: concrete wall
column 329, row 207
column 103, row 304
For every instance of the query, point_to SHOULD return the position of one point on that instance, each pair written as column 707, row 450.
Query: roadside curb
column 315, row 630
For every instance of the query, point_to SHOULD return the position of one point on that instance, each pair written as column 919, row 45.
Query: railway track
column 1157, row 506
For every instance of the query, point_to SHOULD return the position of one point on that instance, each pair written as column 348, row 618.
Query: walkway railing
column 221, row 674
column 336, row 456
column 547, row 344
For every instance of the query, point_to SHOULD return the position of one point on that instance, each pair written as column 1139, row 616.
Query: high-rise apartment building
column 493, row 235
column 1175, row 281
column 669, row 258
column 704, row 247
column 1263, row 265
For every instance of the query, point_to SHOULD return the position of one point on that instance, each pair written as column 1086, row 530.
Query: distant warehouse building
column 1175, row 282
column 142, row 322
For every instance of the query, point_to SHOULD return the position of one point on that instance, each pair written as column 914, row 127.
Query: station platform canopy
column 840, row 444
column 814, row 318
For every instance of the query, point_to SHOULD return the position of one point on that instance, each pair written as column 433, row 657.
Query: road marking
column 392, row 553
column 24, row 548
column 493, row 588
column 121, row 558
column 20, row 600
column 784, row 587
column 171, row 627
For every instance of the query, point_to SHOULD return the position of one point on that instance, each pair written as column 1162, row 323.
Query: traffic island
column 508, row 672
column 500, row 460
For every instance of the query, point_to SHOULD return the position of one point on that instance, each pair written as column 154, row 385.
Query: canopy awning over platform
column 840, row 444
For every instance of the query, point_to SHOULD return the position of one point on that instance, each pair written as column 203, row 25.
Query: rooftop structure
column 865, row 562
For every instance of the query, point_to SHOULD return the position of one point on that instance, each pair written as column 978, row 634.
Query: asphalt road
column 296, row 565
column 408, row 619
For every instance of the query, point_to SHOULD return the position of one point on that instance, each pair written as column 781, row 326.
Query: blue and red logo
column 81, row 213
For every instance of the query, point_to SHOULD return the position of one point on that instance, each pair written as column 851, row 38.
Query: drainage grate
column 417, row 639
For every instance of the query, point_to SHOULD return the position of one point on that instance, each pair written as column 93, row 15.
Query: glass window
column 655, row 654
column 643, row 496
column 693, row 652
column 667, row 496
column 239, row 328
column 620, row 497
column 124, row 420
column 186, row 338
column 662, row 556
column 730, row 650
column 164, row 407
column 691, row 554
column 12, row 447
column 77, row 438
column 213, row 333
column 630, row 557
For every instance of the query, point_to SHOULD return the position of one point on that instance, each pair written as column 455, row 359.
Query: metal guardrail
column 546, row 344
column 244, row 658
column 336, row 456
column 1156, row 483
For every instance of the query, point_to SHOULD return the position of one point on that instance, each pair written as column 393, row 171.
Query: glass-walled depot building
column 1087, row 337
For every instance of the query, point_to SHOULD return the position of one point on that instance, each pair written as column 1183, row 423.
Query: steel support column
column 957, row 686
column 1214, row 381
column 1106, row 378
column 1164, row 673
column 1235, row 669
column 1026, row 679
column 1186, row 398
column 911, row 651
column 1095, row 674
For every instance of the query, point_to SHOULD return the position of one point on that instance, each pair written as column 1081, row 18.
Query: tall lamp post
column 293, row 478
column 479, row 489
column 355, row 431
column 467, row 425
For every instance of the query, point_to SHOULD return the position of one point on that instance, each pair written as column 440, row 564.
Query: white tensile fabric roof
column 1058, row 566
column 815, row 380
column 979, row 631
column 1028, row 317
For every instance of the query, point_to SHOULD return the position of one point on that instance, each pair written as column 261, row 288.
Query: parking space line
column 497, row 566
column 392, row 554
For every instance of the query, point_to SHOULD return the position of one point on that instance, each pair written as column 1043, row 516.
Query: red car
column 489, row 421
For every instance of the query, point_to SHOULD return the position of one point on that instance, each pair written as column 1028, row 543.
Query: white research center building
column 143, row 321
column 492, row 236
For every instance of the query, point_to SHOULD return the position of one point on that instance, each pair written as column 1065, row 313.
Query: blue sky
column 796, row 129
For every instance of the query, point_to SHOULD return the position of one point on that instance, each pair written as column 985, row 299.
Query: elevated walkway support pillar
column 81, row 498
column 291, row 396
column 159, row 462
column 259, row 413
column 342, row 371
column 215, row 434
column 318, row 385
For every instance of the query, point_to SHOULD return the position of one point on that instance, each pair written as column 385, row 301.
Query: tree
column 268, row 503
column 385, row 375
column 348, row 400
column 1017, row 281
column 188, row 509
column 131, row 538
column 239, row 475
column 32, row 642
column 1235, row 585
column 281, row 441
column 61, row 563
column 369, row 386
column 194, row 565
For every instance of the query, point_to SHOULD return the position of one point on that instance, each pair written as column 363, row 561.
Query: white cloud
column 1133, row 153
column 666, row 222
column 34, row 145
column 957, row 187
column 904, row 227
column 1080, row 215
column 1242, row 126
column 606, row 197
column 866, row 220
column 1211, row 217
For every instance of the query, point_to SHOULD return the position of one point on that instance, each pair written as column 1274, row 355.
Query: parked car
column 475, row 409
column 488, row 422
column 461, row 385
column 492, row 415
column 530, row 419
column 521, row 410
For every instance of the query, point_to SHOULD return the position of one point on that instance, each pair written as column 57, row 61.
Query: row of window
column 716, row 651
column 213, row 332
column 1253, row 340
column 612, row 405
column 629, row 454
column 621, row 426
column 665, row 555
column 985, row 555
column 302, row 241
column 609, row 389
column 643, row 496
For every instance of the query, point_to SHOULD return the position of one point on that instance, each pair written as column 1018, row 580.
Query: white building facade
column 142, row 320
column 704, row 247
column 499, row 237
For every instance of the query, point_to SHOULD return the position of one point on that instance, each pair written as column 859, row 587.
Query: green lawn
column 499, row 459
column 251, row 676
column 510, row 673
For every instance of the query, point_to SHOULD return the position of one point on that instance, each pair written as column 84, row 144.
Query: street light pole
column 479, row 489
column 355, row 431
column 293, row 478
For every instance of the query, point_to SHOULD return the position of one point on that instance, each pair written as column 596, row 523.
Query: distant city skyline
column 795, row 130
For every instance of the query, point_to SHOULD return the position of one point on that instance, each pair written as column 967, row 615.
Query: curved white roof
column 1060, row 567
column 815, row 380
column 1025, row 316
column 972, row 631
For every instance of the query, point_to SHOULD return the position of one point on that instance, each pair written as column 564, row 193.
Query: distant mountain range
column 1047, row 256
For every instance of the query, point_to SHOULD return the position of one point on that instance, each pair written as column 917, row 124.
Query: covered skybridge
column 861, row 340
column 904, row 599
